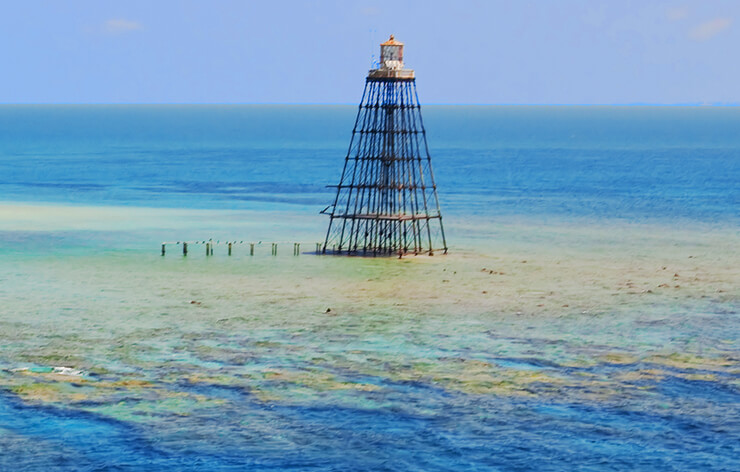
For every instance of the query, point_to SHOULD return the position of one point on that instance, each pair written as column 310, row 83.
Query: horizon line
column 503, row 104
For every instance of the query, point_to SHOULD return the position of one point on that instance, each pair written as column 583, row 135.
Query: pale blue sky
column 279, row 51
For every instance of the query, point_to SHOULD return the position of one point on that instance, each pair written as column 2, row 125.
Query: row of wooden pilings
column 230, row 244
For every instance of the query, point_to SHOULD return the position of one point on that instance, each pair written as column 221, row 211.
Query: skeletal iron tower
column 386, row 200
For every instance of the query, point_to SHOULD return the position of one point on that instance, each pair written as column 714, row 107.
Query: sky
column 319, row 51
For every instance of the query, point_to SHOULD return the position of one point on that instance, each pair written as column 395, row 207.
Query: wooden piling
column 209, row 244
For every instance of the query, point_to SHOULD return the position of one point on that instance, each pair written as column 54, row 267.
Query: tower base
column 386, row 202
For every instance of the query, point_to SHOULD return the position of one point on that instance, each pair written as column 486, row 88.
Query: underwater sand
column 608, row 345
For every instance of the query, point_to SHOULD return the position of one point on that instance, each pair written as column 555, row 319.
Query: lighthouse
column 386, row 201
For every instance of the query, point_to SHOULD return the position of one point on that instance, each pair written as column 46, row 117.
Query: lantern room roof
column 392, row 42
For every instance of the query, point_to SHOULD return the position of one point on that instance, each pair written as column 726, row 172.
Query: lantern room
column 391, row 63
column 391, row 54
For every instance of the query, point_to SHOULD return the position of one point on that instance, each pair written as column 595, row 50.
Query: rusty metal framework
column 386, row 201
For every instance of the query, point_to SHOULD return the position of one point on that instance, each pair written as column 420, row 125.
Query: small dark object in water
column 328, row 310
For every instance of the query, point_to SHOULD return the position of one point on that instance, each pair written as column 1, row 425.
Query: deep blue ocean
column 618, row 162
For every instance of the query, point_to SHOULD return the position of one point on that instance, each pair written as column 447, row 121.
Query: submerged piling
column 210, row 243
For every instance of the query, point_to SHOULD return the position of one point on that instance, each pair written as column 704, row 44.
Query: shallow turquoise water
column 586, row 317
